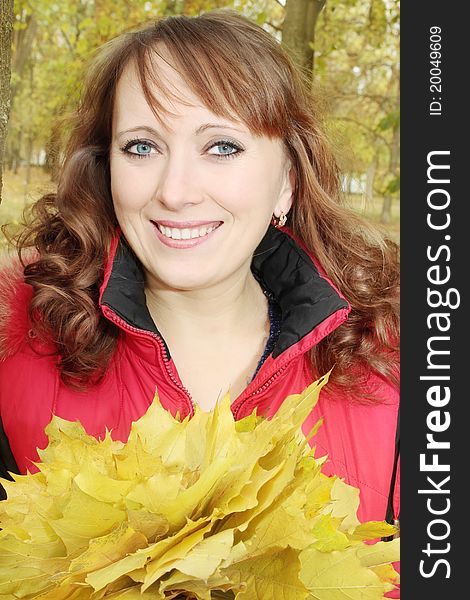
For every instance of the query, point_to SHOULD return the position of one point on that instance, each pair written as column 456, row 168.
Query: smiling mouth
column 186, row 233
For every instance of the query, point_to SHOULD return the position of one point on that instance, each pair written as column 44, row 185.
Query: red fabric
column 358, row 439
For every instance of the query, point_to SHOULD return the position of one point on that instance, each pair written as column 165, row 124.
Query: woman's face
column 194, row 196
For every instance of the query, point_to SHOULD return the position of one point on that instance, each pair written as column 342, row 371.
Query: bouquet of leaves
column 197, row 509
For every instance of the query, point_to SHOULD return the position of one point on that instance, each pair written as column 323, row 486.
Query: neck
column 221, row 309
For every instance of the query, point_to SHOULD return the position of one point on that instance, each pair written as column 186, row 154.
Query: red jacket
column 359, row 439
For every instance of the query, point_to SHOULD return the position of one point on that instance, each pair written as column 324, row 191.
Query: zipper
column 263, row 388
column 235, row 408
column 124, row 325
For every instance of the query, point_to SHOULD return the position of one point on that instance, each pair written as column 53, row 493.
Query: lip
column 186, row 224
column 183, row 244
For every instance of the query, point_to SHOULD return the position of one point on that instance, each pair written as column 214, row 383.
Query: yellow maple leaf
column 199, row 508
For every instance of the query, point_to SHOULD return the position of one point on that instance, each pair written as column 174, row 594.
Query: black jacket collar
column 283, row 268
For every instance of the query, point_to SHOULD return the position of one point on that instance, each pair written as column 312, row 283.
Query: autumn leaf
column 201, row 508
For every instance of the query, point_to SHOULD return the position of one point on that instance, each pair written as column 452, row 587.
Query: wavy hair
column 235, row 68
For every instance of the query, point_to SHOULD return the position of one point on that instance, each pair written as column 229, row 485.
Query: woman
column 196, row 245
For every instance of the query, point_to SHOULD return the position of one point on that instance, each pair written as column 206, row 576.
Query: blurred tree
column 6, row 29
column 52, row 44
column 298, row 29
column 357, row 62
column 354, row 43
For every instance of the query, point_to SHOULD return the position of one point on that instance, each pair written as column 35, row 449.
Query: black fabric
column 7, row 462
column 279, row 264
column 305, row 298
column 125, row 290
column 275, row 315
column 390, row 514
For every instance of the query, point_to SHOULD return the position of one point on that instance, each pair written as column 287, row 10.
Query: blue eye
column 225, row 149
column 143, row 148
column 138, row 149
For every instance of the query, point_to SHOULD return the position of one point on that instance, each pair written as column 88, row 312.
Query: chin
column 183, row 282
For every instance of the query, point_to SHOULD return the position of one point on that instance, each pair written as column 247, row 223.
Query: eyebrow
column 199, row 130
column 216, row 125
column 139, row 128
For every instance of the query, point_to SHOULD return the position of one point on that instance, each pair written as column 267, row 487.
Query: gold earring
column 279, row 221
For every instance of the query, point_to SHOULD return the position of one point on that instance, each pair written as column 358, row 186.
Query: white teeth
column 186, row 233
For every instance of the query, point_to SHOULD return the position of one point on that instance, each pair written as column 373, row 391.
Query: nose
column 178, row 183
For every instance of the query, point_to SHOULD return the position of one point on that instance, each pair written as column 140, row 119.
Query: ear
column 286, row 194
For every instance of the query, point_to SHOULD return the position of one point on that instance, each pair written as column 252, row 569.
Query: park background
column 349, row 49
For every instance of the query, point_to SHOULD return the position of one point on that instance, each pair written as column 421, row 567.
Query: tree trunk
column 30, row 142
column 370, row 178
column 386, row 215
column 29, row 158
column 15, row 144
column 394, row 90
column 23, row 42
column 6, row 32
column 298, row 30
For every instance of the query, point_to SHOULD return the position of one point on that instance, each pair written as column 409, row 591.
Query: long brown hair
column 235, row 68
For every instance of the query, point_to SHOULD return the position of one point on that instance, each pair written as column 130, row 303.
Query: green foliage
column 377, row 22
column 393, row 186
column 390, row 121
column 357, row 64
column 48, row 71
column 356, row 50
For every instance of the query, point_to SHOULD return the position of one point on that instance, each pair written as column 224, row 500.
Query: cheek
column 257, row 194
column 129, row 190
column 246, row 186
